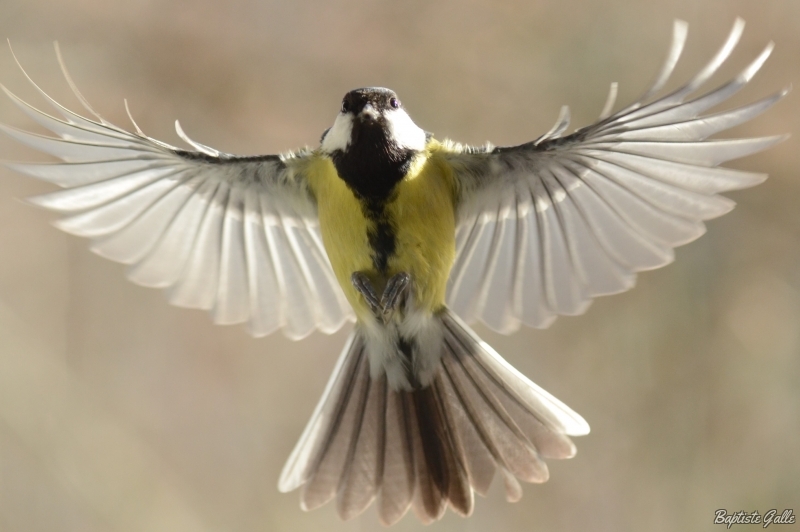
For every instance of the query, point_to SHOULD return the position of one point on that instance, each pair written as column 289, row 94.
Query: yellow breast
column 421, row 214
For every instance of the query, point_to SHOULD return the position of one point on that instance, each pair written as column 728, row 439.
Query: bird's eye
column 394, row 102
column 345, row 106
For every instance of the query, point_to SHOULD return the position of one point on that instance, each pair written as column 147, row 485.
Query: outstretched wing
column 234, row 235
column 545, row 226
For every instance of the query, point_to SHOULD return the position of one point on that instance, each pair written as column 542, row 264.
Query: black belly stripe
column 382, row 242
column 382, row 236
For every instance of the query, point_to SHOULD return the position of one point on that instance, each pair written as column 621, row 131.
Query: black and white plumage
column 419, row 411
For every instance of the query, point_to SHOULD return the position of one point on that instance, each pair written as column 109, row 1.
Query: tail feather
column 512, row 485
column 431, row 447
column 442, row 473
column 480, row 462
column 499, row 433
column 429, row 502
column 362, row 477
column 549, row 410
column 399, row 476
column 316, row 436
column 334, row 455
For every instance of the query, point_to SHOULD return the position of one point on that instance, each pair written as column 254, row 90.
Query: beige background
column 121, row 413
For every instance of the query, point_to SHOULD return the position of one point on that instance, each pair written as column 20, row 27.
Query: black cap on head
column 379, row 98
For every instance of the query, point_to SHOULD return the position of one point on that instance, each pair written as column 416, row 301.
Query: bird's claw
column 392, row 294
column 362, row 283
column 384, row 307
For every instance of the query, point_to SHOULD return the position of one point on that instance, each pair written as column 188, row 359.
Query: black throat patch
column 372, row 164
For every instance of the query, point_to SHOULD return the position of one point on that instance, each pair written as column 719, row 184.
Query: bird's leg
column 384, row 307
column 362, row 283
column 395, row 288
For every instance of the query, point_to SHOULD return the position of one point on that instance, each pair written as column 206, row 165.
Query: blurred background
column 121, row 413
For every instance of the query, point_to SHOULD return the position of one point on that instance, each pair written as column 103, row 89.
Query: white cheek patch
column 338, row 136
column 404, row 131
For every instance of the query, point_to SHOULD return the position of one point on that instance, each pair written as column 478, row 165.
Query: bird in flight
column 412, row 238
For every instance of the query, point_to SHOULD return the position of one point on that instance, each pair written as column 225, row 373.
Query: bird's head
column 374, row 119
column 372, row 142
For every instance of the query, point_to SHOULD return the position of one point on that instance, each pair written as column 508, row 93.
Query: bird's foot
column 392, row 295
column 382, row 308
column 364, row 286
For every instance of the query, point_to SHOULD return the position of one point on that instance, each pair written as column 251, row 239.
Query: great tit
column 411, row 237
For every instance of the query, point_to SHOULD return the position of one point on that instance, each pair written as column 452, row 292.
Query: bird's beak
column 368, row 113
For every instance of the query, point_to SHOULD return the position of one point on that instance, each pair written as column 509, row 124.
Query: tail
column 430, row 447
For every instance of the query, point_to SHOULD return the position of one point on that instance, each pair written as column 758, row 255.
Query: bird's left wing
column 234, row 235
column 545, row 226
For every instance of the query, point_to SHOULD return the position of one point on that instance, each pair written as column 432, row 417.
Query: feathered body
column 417, row 220
column 385, row 223
column 420, row 215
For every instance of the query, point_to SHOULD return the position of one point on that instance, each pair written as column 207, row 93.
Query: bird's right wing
column 545, row 226
column 234, row 235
